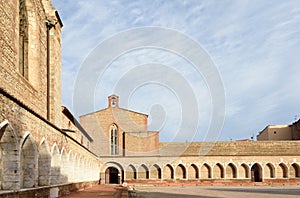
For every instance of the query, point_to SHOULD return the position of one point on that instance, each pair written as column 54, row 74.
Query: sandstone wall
column 34, row 150
column 141, row 143
column 98, row 126
column 31, row 90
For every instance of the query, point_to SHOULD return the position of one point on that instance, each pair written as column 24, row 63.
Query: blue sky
column 255, row 46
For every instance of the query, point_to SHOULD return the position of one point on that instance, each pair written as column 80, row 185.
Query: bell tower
column 113, row 101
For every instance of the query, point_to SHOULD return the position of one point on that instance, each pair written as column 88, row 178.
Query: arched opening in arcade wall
column 294, row 171
column 131, row 172
column 256, row 173
column 112, row 176
column 155, row 172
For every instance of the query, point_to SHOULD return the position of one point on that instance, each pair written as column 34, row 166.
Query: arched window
column 23, row 39
column 114, row 139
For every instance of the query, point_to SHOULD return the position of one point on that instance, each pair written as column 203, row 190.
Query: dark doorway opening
column 256, row 173
column 112, row 176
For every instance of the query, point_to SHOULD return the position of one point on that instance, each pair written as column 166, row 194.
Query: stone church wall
column 34, row 150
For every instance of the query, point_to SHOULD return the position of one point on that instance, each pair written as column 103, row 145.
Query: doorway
column 256, row 173
column 112, row 176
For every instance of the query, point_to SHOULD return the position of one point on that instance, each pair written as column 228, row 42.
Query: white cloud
column 255, row 45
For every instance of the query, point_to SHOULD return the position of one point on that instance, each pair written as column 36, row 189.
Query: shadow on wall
column 24, row 165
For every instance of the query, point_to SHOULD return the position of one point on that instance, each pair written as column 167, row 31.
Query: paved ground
column 192, row 192
column 102, row 191
column 113, row 191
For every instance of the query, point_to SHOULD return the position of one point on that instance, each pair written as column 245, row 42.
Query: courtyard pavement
column 101, row 191
column 209, row 192
column 114, row 191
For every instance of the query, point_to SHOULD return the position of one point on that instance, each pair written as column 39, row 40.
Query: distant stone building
column 280, row 132
column 130, row 153
column 120, row 132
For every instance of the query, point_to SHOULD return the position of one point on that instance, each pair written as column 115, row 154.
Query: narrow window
column 114, row 140
column 23, row 39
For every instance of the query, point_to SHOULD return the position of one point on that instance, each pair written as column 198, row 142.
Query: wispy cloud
column 255, row 45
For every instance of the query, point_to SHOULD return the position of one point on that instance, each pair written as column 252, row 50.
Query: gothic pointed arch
column 143, row 172
column 282, row 171
column 218, row 171
column 155, row 172
column 55, row 165
column 71, row 165
column 9, row 146
column 193, row 172
column 130, row 172
column 44, row 163
column 205, row 171
column 180, row 172
column 269, row 171
column 231, row 171
column 256, row 173
column 29, row 162
column 295, row 170
column 64, row 170
column 168, row 172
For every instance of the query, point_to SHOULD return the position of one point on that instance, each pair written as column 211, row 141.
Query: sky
column 202, row 70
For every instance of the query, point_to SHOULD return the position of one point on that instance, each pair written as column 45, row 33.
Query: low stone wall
column 48, row 191
column 215, row 182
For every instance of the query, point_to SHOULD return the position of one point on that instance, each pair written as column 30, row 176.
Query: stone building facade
column 47, row 152
column 280, row 132
column 42, row 145
column 141, row 158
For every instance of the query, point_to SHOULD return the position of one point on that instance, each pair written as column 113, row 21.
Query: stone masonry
column 46, row 152
column 42, row 145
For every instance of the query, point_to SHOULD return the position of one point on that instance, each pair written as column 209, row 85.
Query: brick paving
column 102, row 191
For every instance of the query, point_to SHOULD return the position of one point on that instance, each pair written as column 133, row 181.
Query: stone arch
column 71, row 165
column 143, row 172
column 77, row 167
column 29, row 162
column 64, row 170
column 130, row 172
column 231, row 171
column 244, row 171
column 269, row 171
column 114, row 172
column 193, row 172
column 218, row 171
column 282, row 171
column 294, row 170
column 168, row 172
column 9, row 179
column 44, row 164
column 55, row 165
column 205, row 171
column 155, row 172
column 256, row 173
column 180, row 172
